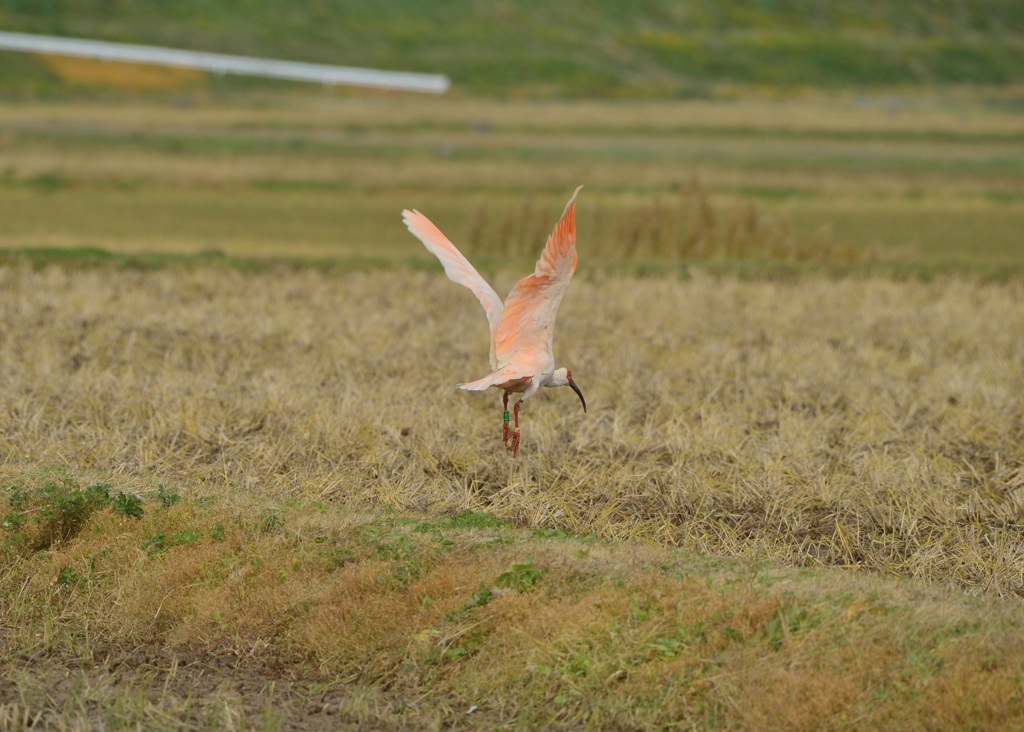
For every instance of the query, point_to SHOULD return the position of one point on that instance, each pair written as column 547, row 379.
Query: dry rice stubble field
column 867, row 424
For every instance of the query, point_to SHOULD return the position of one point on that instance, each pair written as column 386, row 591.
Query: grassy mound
column 312, row 614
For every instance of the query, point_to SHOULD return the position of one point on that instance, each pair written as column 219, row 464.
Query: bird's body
column 523, row 327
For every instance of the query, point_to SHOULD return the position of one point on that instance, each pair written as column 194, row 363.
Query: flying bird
column 523, row 327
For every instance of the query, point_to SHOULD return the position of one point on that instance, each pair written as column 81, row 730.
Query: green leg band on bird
column 506, row 415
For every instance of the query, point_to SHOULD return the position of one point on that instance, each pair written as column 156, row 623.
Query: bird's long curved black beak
column 579, row 394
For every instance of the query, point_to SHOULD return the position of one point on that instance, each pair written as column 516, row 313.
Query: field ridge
column 464, row 620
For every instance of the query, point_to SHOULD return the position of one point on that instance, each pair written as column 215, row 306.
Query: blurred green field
column 933, row 180
column 575, row 48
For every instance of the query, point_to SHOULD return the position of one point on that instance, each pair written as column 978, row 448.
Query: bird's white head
column 563, row 377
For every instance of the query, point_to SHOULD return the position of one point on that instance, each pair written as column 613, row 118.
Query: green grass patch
column 92, row 258
column 97, row 258
column 297, row 186
column 53, row 508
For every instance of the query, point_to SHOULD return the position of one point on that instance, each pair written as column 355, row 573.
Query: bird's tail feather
column 506, row 375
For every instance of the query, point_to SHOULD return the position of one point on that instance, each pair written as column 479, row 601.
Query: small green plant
column 186, row 537
column 67, row 577
column 667, row 647
column 468, row 645
column 14, row 522
column 51, row 513
column 481, row 597
column 521, row 577
column 670, row 646
column 167, row 498
column 127, row 505
column 268, row 522
column 408, row 562
column 155, row 544
column 159, row 542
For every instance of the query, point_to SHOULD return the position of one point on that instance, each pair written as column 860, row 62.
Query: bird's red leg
column 515, row 433
column 505, row 432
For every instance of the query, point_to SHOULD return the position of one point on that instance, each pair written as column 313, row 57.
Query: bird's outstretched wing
column 527, row 324
column 456, row 266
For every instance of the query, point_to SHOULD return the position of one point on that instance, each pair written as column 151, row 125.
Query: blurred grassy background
column 578, row 48
column 795, row 131
column 325, row 175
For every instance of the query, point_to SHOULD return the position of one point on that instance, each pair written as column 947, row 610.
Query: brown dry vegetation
column 863, row 423
column 100, row 73
column 683, row 226
column 335, row 619
column 866, row 424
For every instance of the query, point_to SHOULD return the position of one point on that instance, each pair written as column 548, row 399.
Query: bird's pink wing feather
column 456, row 266
column 505, row 377
column 526, row 330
